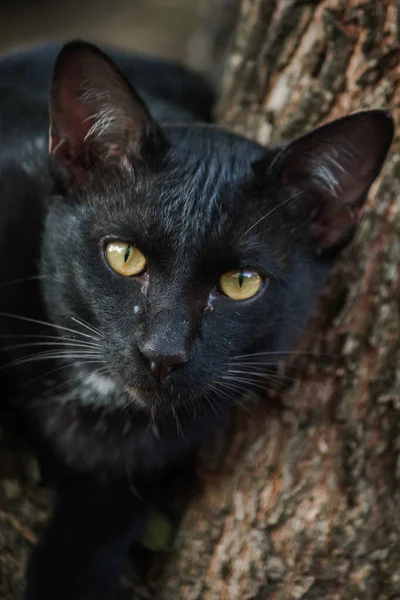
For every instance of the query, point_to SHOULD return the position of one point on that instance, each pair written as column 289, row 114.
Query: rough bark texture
column 24, row 508
column 305, row 502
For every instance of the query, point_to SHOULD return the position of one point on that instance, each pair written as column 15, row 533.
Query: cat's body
column 138, row 369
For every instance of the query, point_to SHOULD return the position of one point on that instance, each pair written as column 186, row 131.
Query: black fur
column 198, row 202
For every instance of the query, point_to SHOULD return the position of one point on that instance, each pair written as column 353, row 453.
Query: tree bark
column 24, row 509
column 305, row 502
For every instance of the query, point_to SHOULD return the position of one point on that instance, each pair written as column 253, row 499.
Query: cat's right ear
column 96, row 117
column 331, row 169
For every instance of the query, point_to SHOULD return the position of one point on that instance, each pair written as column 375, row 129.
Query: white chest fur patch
column 102, row 385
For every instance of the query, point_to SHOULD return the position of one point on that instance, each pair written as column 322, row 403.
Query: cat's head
column 193, row 256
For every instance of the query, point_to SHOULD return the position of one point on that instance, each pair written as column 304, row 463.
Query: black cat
column 150, row 273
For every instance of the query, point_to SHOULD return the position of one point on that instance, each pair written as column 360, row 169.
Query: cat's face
column 191, row 253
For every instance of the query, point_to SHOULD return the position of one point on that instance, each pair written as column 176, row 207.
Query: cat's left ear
column 333, row 168
column 96, row 117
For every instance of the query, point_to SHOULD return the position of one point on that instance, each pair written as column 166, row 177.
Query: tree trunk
column 305, row 502
column 24, row 509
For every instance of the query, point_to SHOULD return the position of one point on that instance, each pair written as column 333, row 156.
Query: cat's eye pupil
column 240, row 285
column 125, row 259
column 127, row 253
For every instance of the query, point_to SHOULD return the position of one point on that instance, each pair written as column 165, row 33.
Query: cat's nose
column 161, row 365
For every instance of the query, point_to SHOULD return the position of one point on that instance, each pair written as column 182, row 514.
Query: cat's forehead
column 204, row 171
column 193, row 197
column 215, row 148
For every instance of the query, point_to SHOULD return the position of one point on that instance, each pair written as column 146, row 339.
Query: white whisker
column 234, row 394
column 23, row 280
column 263, row 374
column 61, row 344
column 89, row 327
column 42, row 337
column 46, row 324
column 51, row 356
column 270, row 213
column 247, row 382
column 277, row 353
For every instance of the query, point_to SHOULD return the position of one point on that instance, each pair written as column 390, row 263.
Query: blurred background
column 155, row 26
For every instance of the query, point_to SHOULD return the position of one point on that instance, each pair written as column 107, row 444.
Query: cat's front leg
column 81, row 554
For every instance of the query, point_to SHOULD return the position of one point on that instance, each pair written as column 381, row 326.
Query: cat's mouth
column 154, row 400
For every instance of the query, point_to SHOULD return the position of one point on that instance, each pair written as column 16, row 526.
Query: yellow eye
column 240, row 285
column 125, row 259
